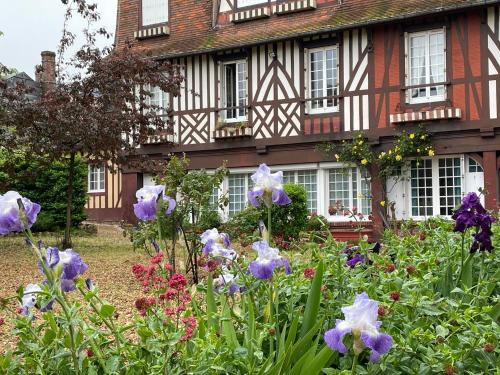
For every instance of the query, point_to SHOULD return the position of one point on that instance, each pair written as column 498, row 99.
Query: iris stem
column 62, row 302
column 354, row 363
column 269, row 225
column 271, row 317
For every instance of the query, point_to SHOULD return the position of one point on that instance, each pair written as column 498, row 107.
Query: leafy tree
column 100, row 113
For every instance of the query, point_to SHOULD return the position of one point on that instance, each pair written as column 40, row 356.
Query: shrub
column 210, row 218
column 47, row 185
column 316, row 223
column 243, row 223
column 289, row 220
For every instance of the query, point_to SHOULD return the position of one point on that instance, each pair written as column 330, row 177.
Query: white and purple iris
column 361, row 321
column 225, row 279
column 211, row 237
column 10, row 218
column 68, row 264
column 267, row 261
column 269, row 187
column 29, row 297
column 147, row 201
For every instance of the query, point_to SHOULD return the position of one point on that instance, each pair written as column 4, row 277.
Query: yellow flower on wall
column 382, row 203
column 412, row 136
column 431, row 153
column 398, row 157
column 364, row 161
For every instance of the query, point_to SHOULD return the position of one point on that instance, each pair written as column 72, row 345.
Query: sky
column 33, row 26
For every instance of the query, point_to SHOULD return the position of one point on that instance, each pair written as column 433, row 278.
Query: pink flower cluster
column 166, row 293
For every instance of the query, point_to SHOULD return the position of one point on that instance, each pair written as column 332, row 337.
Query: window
column 307, row 179
column 158, row 98
column 323, row 79
column 154, row 12
column 214, row 198
column 426, row 65
column 96, row 178
column 474, row 166
column 247, row 3
column 436, row 186
column 234, row 93
column 352, row 188
column 238, row 186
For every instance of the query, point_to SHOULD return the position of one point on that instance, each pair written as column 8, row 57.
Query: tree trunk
column 69, row 201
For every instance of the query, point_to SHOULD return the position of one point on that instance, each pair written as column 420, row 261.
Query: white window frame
column 96, row 170
column 324, row 108
column 225, row 189
column 348, row 170
column 435, row 186
column 162, row 99
column 238, row 118
column 154, row 17
column 296, row 181
column 249, row 3
column 428, row 98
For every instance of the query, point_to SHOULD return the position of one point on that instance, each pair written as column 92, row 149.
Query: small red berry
column 89, row 352
column 2, row 321
column 489, row 347
column 421, row 236
column 395, row 296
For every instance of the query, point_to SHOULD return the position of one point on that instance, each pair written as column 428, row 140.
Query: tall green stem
column 74, row 356
column 271, row 317
column 354, row 364
column 269, row 233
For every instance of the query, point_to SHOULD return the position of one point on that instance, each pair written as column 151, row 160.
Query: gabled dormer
column 237, row 11
column 153, row 19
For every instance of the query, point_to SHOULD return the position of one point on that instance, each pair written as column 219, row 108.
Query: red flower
column 411, row 269
column 381, row 310
column 89, row 352
column 395, row 296
column 178, row 281
column 309, row 273
column 157, row 258
column 212, row 265
column 332, row 210
column 390, row 267
column 138, row 270
column 2, row 321
column 489, row 347
column 190, row 324
column 168, row 267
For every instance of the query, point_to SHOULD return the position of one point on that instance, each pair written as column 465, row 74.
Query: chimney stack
column 46, row 73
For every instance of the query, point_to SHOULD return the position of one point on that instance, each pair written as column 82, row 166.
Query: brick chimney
column 46, row 73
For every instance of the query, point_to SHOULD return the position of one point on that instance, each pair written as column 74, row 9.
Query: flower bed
column 424, row 300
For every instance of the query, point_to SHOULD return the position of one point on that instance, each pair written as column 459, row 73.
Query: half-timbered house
column 266, row 81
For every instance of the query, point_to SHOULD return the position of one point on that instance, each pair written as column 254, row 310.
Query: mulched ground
column 109, row 255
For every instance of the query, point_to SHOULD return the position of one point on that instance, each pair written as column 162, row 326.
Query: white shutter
column 220, row 88
column 444, row 61
column 154, row 12
column 306, row 80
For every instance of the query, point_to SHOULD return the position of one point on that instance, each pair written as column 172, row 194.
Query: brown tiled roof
column 191, row 28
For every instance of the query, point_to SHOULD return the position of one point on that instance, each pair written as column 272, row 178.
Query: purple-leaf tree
column 101, row 112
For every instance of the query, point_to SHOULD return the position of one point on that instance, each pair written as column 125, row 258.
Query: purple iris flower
column 357, row 258
column 269, row 187
column 361, row 321
column 211, row 237
column 472, row 214
column 267, row 260
column 68, row 263
column 226, row 279
column 147, row 200
column 10, row 218
column 29, row 298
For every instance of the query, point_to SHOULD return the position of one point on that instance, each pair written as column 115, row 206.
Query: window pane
column 230, row 87
column 242, row 89
column 308, row 179
column 331, row 76
column 317, row 78
column 154, row 12
column 288, row 176
column 237, row 193
column 474, row 167
column 339, row 188
column 450, row 186
column 365, row 195
column 421, row 191
column 214, row 198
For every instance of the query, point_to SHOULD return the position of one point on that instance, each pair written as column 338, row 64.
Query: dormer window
column 154, row 12
column 248, row 3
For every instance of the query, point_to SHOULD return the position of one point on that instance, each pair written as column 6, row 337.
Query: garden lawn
column 108, row 254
